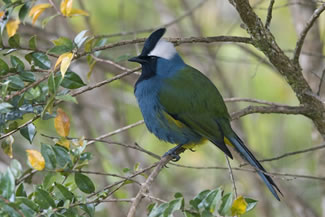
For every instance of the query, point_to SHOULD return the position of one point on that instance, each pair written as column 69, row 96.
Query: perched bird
column 182, row 106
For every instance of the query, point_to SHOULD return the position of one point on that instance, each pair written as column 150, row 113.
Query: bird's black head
column 155, row 47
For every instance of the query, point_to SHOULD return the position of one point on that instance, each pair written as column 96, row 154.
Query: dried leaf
column 67, row 10
column 12, row 27
column 35, row 159
column 62, row 123
column 37, row 10
column 239, row 206
column 65, row 61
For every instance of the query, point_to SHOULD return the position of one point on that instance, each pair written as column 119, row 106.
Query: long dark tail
column 247, row 155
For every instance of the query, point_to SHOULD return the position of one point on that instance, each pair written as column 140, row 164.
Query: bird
column 180, row 105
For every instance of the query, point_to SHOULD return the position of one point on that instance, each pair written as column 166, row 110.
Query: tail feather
column 247, row 155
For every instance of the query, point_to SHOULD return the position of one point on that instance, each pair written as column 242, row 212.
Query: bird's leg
column 173, row 152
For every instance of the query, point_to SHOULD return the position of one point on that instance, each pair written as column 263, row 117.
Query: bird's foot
column 173, row 153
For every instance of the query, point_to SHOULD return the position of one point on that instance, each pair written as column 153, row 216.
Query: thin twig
column 293, row 110
column 105, row 81
column 120, row 130
column 259, row 101
column 145, row 186
column 176, row 41
column 304, row 32
column 6, row 201
column 56, row 8
column 269, row 14
column 290, row 154
column 231, row 176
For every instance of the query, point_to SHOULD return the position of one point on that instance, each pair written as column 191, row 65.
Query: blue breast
column 156, row 119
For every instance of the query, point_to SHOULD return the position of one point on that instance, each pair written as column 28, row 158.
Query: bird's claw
column 173, row 154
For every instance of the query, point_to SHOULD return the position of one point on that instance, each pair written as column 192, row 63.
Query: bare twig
column 176, row 41
column 293, row 110
column 259, row 101
column 290, row 154
column 269, row 14
column 145, row 186
column 304, row 32
column 231, row 176
column 105, row 81
column 122, row 129
column 56, row 8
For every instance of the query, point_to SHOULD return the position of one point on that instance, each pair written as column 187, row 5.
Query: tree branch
column 269, row 14
column 303, row 34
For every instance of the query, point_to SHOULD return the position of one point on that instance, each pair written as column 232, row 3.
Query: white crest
column 163, row 49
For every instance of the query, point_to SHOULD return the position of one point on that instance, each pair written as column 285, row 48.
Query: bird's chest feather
column 157, row 120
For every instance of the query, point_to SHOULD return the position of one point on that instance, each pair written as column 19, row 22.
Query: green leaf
column 66, row 194
column 89, row 209
column 157, row 211
column 84, row 183
column 50, row 178
column 24, row 11
column 174, row 205
column 63, row 41
column 32, row 42
column 48, row 19
column 5, row 107
column 58, row 50
column 4, row 68
column 226, row 204
column 62, row 156
column 44, row 199
column 41, row 60
column 72, row 80
column 27, row 76
column 28, row 132
column 15, row 82
column 251, row 203
column 190, row 214
column 7, row 210
column 7, row 184
column 14, row 41
column 33, row 93
column 67, row 98
column 51, row 84
column 80, row 38
column 198, row 199
column 21, row 191
column 211, row 200
column 16, row 168
column 49, row 156
column 17, row 63
column 26, row 206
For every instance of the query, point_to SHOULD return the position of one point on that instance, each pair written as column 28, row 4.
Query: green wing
column 190, row 97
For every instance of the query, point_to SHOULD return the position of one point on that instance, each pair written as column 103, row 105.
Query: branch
column 293, row 110
column 145, row 186
column 176, row 41
column 304, row 32
column 290, row 154
column 105, row 81
column 231, row 176
column 269, row 14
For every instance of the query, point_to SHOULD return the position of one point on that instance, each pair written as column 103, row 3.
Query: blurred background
column 238, row 70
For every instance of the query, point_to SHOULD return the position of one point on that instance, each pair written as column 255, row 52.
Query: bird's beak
column 137, row 59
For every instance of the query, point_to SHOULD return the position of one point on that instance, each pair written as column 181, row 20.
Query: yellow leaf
column 1, row 14
column 75, row 11
column 64, row 142
column 35, row 159
column 62, row 123
column 37, row 10
column 65, row 7
column 65, row 61
column 239, row 206
column 12, row 27
column 6, row 145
